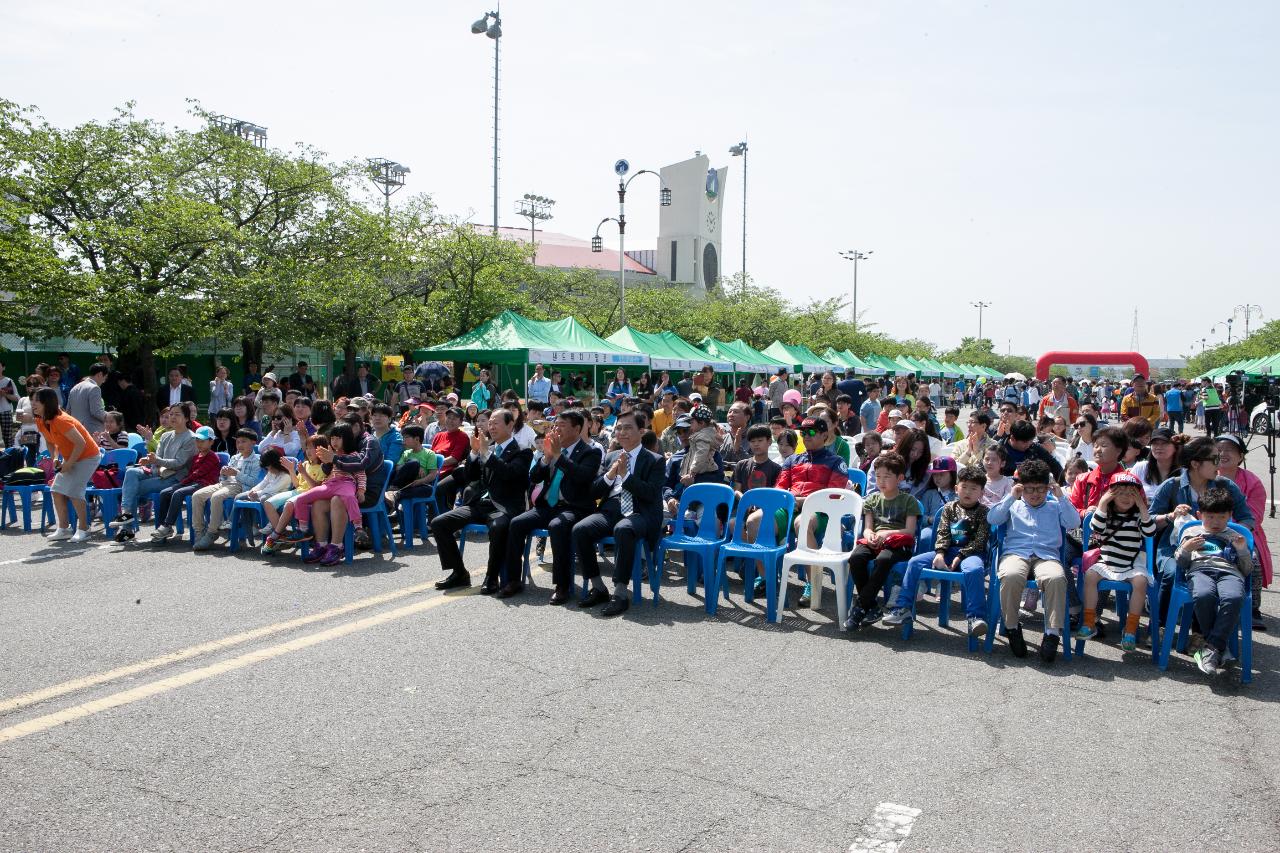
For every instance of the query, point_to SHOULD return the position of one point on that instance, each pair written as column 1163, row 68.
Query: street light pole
column 535, row 208
column 389, row 176
column 740, row 150
column 980, row 306
column 493, row 31
column 597, row 245
column 1248, row 311
column 855, row 256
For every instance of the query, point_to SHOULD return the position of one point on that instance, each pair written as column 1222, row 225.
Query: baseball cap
column 683, row 422
column 358, row 403
column 695, row 396
column 896, row 413
column 451, row 397
column 204, row 434
column 1124, row 478
column 1161, row 434
column 815, row 424
column 1138, row 376
column 942, row 465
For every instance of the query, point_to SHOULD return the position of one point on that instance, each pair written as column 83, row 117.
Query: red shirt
column 204, row 469
column 453, row 443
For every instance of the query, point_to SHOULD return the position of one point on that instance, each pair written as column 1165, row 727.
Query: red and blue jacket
column 805, row 473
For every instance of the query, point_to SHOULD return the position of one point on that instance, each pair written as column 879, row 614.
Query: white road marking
column 886, row 829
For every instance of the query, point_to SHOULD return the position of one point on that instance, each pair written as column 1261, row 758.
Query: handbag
column 107, row 477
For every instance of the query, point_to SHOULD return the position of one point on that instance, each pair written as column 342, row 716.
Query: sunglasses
column 1080, row 424
column 808, row 433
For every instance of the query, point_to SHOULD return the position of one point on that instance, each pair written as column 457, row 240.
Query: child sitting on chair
column 891, row 518
column 1216, row 562
column 1117, row 552
column 959, row 545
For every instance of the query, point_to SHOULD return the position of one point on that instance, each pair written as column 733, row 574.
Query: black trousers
column 450, row 484
column 445, row 526
column 558, row 521
column 627, row 534
column 870, row 570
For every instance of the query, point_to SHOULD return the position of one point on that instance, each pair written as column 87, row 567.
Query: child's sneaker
column 872, row 616
column 1207, row 660
column 332, row 555
column 977, row 626
column 124, row 519
column 270, row 545
column 757, row 588
column 266, row 530
column 1129, row 642
column 1086, row 632
column 897, row 616
column 806, row 597
column 317, row 554
column 854, row 620
column 163, row 533
column 203, row 542
column 296, row 537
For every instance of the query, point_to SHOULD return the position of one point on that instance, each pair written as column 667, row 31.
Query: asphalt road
column 408, row 719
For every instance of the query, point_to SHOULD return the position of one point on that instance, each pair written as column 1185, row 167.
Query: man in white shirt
column 630, row 495
column 539, row 389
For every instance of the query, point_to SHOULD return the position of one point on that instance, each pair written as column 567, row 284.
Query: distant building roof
column 567, row 252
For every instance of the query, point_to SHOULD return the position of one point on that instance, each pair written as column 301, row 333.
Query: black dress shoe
column 490, row 587
column 591, row 599
column 560, row 596
column 617, row 605
column 456, row 579
column 1049, row 648
column 1017, row 643
column 511, row 589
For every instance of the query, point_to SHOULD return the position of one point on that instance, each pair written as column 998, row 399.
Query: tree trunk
column 138, row 361
column 251, row 351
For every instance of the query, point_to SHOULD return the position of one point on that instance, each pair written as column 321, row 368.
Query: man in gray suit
column 84, row 400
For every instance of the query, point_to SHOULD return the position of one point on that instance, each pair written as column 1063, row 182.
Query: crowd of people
column 1031, row 460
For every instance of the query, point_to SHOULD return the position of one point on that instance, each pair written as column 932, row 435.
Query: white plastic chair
column 834, row 504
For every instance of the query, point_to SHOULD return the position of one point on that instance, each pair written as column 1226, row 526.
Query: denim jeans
column 1216, row 597
column 973, row 568
column 139, row 484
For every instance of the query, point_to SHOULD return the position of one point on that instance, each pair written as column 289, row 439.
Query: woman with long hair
column 914, row 448
column 1162, row 459
column 77, row 457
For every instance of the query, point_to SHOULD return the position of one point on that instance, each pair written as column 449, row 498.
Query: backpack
column 25, row 477
column 11, row 460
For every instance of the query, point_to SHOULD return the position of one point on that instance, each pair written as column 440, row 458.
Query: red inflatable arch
column 1051, row 358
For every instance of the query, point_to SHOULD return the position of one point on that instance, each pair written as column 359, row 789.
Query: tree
column 160, row 236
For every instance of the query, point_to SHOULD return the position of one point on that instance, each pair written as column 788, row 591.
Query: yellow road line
column 173, row 682
column 190, row 652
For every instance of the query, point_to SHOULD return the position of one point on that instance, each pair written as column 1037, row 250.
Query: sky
column 1065, row 162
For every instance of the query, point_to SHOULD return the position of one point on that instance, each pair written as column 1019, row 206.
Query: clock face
column 711, row 221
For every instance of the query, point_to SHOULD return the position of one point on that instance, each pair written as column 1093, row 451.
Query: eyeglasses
column 808, row 433
column 1035, row 490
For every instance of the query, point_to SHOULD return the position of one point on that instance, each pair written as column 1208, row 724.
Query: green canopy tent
column 512, row 340
column 667, row 353
column 744, row 358
column 888, row 365
column 939, row 367
column 849, row 359
column 799, row 357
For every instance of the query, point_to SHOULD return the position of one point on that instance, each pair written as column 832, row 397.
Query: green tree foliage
column 1262, row 342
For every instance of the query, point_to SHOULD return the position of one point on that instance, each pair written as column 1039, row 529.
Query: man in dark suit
column 630, row 491
column 174, row 391
column 498, row 479
column 562, row 478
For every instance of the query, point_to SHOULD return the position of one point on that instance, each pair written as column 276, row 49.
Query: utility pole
column 535, row 208
column 980, row 306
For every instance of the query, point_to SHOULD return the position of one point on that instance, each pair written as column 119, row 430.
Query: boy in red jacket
column 204, row 472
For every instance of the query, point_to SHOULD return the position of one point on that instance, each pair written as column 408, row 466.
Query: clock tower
column 689, row 230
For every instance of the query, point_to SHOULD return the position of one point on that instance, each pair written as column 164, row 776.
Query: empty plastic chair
column 835, row 505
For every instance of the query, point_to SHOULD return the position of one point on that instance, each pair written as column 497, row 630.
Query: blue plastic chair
column 527, row 576
column 767, row 548
column 415, row 516
column 228, row 506
column 109, row 499
column 1122, row 589
column 858, row 477
column 706, row 541
column 9, row 511
column 1181, row 614
column 945, row 579
column 995, row 623
column 642, row 565
column 923, row 543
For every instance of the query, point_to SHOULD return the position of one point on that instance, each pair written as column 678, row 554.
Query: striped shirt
column 1120, row 537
